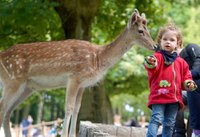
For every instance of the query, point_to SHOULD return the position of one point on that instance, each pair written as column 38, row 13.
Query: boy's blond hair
column 172, row 27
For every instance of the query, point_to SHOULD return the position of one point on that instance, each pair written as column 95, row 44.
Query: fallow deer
column 74, row 64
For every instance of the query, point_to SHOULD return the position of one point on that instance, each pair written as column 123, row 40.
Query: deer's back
column 58, row 60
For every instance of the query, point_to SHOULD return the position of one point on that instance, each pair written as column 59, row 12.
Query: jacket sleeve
column 150, row 68
column 193, row 52
column 187, row 77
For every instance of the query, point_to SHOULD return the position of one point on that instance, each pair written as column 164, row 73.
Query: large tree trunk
column 76, row 17
column 96, row 106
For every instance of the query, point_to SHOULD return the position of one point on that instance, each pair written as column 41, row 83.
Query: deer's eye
column 140, row 31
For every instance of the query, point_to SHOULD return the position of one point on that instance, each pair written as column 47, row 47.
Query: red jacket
column 166, row 82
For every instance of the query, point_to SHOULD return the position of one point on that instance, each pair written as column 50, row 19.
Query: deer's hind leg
column 11, row 92
column 24, row 94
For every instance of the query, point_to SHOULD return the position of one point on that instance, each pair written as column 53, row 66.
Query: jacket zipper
column 175, row 87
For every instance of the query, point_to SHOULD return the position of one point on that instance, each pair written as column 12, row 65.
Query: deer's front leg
column 79, row 96
column 70, row 99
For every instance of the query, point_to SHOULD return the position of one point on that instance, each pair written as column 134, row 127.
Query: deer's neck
column 116, row 49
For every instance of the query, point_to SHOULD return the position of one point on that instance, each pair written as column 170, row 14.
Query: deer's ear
column 144, row 19
column 133, row 18
column 143, row 16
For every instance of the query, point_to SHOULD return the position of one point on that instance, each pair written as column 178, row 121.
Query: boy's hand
column 151, row 60
column 191, row 85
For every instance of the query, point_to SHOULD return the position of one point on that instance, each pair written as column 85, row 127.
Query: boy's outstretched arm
column 150, row 62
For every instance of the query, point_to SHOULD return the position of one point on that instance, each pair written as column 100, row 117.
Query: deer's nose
column 156, row 47
column 140, row 31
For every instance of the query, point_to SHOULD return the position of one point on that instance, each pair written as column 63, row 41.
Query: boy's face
column 169, row 41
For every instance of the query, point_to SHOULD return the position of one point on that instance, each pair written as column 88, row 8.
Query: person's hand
column 191, row 85
column 151, row 60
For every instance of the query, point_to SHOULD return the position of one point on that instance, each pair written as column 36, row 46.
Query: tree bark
column 96, row 106
column 77, row 16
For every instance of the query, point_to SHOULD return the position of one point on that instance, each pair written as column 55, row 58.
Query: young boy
column 167, row 75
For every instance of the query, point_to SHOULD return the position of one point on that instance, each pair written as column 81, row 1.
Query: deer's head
column 137, row 26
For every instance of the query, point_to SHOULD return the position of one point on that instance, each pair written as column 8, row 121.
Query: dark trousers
column 180, row 129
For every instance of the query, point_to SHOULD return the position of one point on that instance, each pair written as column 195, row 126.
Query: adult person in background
column 180, row 128
column 191, row 54
column 25, row 125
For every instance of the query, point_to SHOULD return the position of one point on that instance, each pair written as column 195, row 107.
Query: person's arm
column 150, row 62
column 194, row 53
column 188, row 83
column 195, row 74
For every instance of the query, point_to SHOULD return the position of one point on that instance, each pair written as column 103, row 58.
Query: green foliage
column 176, row 11
column 111, row 18
column 187, row 19
column 28, row 21
column 123, row 77
column 191, row 32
